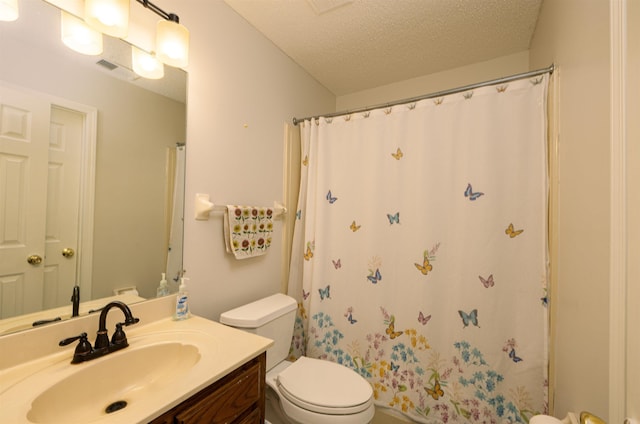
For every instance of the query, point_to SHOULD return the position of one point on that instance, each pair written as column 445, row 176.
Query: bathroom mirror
column 133, row 186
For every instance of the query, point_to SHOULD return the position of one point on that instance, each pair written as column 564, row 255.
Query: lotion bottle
column 163, row 289
column 182, row 301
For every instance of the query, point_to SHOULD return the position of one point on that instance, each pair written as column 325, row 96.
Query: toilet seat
column 324, row 387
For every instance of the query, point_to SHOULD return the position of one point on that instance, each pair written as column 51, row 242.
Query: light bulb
column 145, row 64
column 108, row 16
column 78, row 36
column 172, row 43
column 8, row 10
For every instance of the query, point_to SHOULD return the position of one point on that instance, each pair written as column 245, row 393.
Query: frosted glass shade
column 108, row 16
column 78, row 36
column 146, row 65
column 8, row 10
column 172, row 43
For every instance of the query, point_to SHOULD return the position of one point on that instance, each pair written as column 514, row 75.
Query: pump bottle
column 182, row 301
column 163, row 289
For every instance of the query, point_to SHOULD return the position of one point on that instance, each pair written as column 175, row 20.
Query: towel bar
column 203, row 207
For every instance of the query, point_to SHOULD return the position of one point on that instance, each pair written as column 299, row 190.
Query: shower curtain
column 175, row 208
column 420, row 252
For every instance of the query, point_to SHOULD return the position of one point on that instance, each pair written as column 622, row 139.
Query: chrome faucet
column 102, row 346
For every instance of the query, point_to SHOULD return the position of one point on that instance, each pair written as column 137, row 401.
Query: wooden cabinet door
column 237, row 398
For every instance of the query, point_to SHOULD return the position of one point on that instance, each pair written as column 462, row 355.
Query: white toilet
column 307, row 391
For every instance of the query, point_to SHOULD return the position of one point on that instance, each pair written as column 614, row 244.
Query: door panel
column 63, row 188
column 24, row 135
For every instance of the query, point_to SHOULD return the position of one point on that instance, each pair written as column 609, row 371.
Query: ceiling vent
column 108, row 65
column 117, row 70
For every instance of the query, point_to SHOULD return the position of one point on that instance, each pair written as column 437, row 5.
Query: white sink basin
column 117, row 381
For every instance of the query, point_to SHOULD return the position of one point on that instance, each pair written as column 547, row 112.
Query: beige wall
column 574, row 34
column 129, row 234
column 452, row 78
column 242, row 89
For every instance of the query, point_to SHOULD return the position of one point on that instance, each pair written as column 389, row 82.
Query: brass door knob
column 34, row 259
column 68, row 252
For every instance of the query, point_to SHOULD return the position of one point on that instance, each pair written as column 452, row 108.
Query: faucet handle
column 82, row 337
column 119, row 337
column 83, row 348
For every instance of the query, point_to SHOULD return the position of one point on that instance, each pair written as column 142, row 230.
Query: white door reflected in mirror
column 40, row 151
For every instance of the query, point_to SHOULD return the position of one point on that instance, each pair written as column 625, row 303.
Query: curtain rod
column 436, row 94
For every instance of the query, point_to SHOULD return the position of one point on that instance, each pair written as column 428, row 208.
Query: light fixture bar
column 168, row 16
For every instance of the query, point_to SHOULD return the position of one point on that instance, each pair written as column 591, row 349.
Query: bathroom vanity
column 237, row 398
column 190, row 371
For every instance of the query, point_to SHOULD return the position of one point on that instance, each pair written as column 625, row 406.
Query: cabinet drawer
column 236, row 394
column 252, row 418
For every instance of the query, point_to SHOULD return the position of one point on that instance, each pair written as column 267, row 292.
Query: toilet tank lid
column 258, row 313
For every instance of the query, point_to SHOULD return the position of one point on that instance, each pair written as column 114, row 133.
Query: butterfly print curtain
column 420, row 252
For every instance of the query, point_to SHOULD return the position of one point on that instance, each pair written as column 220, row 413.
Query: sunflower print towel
column 247, row 230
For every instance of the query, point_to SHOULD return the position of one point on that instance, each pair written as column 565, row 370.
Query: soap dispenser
column 163, row 289
column 182, row 301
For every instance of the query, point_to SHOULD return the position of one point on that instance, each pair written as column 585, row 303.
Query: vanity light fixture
column 78, row 36
column 110, row 17
column 146, row 65
column 172, row 38
column 8, row 10
column 172, row 42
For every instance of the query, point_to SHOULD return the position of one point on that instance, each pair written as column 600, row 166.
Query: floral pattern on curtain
column 420, row 252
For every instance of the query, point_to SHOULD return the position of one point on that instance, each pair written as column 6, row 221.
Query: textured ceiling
column 349, row 46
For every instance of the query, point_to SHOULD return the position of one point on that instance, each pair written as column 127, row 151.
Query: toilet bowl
column 307, row 391
column 572, row 418
column 336, row 393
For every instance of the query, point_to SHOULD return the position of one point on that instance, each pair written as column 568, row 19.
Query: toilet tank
column 272, row 317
